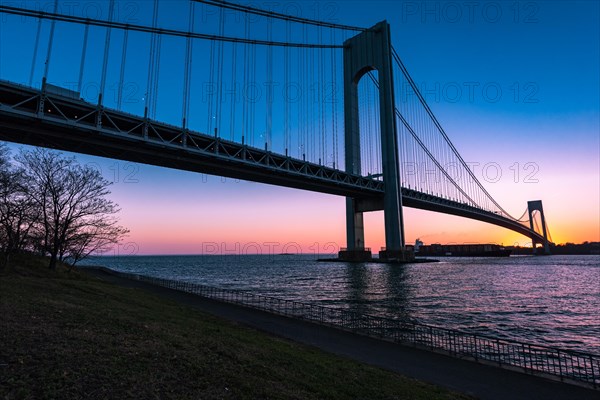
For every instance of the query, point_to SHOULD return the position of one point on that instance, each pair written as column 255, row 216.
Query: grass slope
column 66, row 336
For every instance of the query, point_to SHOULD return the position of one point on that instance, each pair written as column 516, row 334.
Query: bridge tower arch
column 536, row 205
column 367, row 51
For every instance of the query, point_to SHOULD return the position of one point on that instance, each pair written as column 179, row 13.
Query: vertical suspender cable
column 373, row 92
column 422, row 166
column 409, row 156
column 306, row 148
column 426, row 137
column 308, row 98
column 401, row 143
column 211, row 82
column 370, row 120
column 251, row 84
column 452, row 162
column 314, row 116
column 50, row 40
column 446, row 162
column 321, row 99
column 309, row 104
column 361, row 130
column 253, row 99
column 300, row 105
column 436, row 150
column 234, row 92
column 83, row 56
column 402, row 138
column 244, row 86
column 474, row 190
column 410, row 148
column 111, row 7
column 423, row 134
column 234, row 89
column 187, row 70
column 156, row 74
column 324, row 87
column 286, row 79
column 122, row 74
column 301, row 115
column 219, row 105
column 311, row 78
column 269, row 97
column 408, row 143
column 366, row 133
column 368, row 126
column 376, row 130
column 432, row 148
column 334, row 101
column 417, row 151
column 35, row 51
column 378, row 149
column 151, row 60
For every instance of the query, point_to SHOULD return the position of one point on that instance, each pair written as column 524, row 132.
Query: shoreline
column 477, row 379
column 280, row 307
column 402, row 291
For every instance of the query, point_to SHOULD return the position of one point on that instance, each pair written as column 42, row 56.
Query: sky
column 514, row 84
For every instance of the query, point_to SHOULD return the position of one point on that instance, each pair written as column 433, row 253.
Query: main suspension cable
column 161, row 31
column 272, row 14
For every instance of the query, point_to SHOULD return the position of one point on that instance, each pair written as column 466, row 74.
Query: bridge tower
column 368, row 51
column 536, row 205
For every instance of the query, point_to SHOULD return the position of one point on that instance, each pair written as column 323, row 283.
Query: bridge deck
column 40, row 118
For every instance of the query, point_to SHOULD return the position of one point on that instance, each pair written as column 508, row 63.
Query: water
column 552, row 301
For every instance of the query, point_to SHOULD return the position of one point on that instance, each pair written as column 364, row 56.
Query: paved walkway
column 481, row 381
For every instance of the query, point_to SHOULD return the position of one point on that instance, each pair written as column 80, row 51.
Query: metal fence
column 575, row 367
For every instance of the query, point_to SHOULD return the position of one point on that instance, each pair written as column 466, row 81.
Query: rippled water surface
column 553, row 301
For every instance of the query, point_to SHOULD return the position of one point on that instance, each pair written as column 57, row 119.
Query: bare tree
column 18, row 213
column 4, row 164
column 76, row 218
column 91, row 236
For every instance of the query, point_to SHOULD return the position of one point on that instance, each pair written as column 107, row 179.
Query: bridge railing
column 571, row 366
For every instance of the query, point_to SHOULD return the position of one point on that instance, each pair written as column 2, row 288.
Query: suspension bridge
column 245, row 93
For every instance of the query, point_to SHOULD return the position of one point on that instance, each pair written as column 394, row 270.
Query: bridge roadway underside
column 148, row 152
column 53, row 128
column 35, row 117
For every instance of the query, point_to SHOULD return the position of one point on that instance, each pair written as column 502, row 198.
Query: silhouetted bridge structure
column 380, row 133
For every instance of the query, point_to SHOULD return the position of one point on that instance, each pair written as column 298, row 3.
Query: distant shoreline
column 522, row 251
